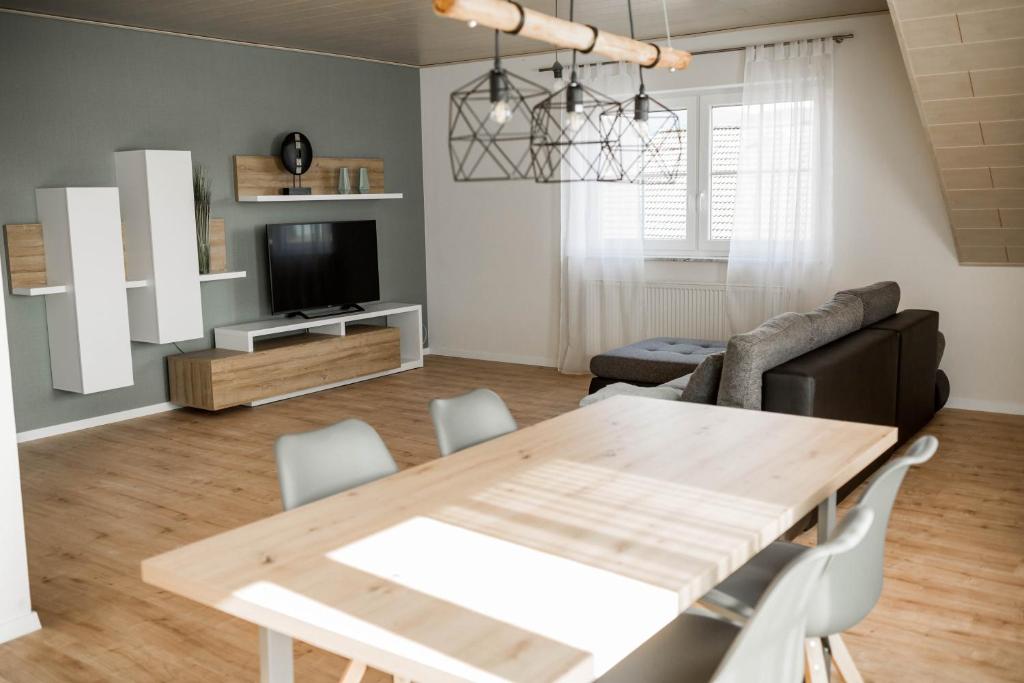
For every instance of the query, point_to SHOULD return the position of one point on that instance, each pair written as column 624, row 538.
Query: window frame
column 698, row 243
column 665, row 248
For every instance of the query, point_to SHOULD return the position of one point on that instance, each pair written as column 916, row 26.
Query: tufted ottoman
column 650, row 362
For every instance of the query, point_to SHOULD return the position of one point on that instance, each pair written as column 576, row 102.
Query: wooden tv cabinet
column 270, row 360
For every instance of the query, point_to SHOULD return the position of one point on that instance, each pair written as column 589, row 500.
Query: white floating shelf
column 40, row 291
column 63, row 289
column 233, row 275
column 320, row 197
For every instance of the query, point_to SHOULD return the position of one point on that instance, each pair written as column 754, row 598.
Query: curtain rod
column 837, row 38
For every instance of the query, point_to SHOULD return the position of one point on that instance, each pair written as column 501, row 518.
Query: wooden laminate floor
column 99, row 501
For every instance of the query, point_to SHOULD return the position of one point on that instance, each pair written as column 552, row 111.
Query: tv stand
column 271, row 360
column 327, row 313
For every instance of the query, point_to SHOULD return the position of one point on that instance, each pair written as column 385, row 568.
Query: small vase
column 364, row 181
column 344, row 182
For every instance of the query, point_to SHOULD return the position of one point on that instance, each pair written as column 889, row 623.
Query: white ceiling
column 408, row 32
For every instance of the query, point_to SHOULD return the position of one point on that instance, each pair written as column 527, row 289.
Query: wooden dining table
column 545, row 555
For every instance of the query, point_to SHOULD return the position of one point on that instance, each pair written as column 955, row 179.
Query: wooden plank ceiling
column 408, row 32
column 966, row 64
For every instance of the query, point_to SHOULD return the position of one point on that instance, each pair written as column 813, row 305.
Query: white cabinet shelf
column 320, row 197
column 40, row 291
column 233, row 275
column 130, row 284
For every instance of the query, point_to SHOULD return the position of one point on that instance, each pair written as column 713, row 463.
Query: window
column 693, row 216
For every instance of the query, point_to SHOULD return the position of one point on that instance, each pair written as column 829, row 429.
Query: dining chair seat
column 688, row 650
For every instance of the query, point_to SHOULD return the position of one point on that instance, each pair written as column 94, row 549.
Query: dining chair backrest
column 469, row 419
column 852, row 584
column 314, row 465
column 770, row 647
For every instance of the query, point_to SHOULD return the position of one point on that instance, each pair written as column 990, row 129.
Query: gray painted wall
column 72, row 94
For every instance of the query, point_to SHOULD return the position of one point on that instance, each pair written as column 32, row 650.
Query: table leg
column 826, row 518
column 275, row 657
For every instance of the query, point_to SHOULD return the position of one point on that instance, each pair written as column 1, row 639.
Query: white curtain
column 602, row 292
column 780, row 254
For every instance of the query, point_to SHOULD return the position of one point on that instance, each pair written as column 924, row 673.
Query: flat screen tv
column 321, row 265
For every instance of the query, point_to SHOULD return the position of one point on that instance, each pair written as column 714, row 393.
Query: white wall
column 16, row 615
column 492, row 248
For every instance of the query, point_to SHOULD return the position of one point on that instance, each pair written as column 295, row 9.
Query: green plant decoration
column 201, row 190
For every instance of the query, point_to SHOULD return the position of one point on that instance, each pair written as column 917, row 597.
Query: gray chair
column 469, row 419
column 852, row 584
column 317, row 464
column 769, row 647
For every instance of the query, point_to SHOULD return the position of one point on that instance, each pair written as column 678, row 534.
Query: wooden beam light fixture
column 511, row 17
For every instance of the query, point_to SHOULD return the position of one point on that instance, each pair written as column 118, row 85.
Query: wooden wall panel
column 26, row 256
column 265, row 175
column 966, row 64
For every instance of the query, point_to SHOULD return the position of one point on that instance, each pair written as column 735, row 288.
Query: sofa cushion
column 679, row 383
column 624, row 389
column 778, row 340
column 880, row 300
column 654, row 361
column 703, row 384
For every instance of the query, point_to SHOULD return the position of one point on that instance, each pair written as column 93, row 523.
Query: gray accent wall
column 72, row 94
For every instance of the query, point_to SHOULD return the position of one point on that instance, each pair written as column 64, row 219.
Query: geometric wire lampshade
column 489, row 139
column 652, row 141
column 574, row 136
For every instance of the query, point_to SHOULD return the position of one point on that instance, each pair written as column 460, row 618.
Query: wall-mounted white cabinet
column 160, row 244
column 87, row 324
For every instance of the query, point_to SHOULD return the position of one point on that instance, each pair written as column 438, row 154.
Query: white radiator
column 684, row 309
column 695, row 310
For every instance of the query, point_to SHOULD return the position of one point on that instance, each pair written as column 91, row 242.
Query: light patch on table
column 590, row 609
column 280, row 600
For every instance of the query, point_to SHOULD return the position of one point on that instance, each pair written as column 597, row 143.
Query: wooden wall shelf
column 261, row 178
column 26, row 260
column 320, row 197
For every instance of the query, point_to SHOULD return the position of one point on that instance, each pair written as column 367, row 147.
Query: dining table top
column 545, row 555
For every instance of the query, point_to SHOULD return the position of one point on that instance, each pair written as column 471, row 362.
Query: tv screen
column 316, row 265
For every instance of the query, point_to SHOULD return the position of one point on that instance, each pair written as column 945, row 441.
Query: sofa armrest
column 918, row 335
column 853, row 378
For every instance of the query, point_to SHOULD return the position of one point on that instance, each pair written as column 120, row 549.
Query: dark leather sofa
column 886, row 372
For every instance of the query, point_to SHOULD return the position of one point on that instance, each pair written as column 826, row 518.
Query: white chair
column 314, row 465
column 852, row 584
column 469, row 419
column 769, row 647
column 317, row 464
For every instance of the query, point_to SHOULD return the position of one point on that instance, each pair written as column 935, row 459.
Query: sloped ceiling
column 966, row 65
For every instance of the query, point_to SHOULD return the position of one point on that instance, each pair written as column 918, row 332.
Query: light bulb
column 501, row 112
column 558, row 84
column 471, row 23
column 576, row 120
column 642, row 128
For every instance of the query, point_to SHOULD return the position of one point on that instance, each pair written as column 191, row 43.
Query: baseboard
column 66, row 427
column 986, row 406
column 497, row 357
column 18, row 627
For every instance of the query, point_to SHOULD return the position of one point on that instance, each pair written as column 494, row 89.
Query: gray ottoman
column 651, row 362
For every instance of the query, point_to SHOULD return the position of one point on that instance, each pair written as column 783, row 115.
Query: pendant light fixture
column 489, row 122
column 652, row 137
column 573, row 135
column 557, row 70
